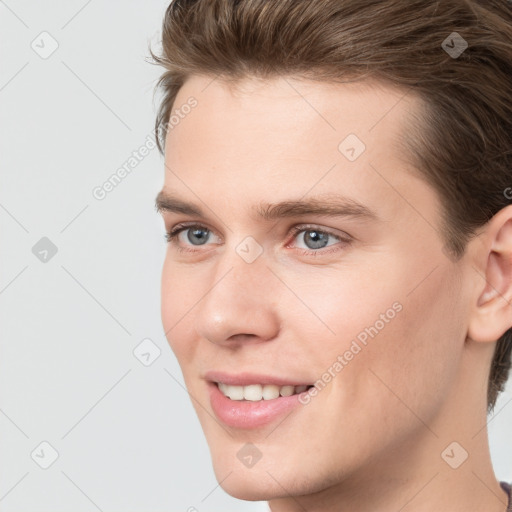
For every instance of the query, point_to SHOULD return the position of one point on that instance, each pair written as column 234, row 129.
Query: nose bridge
column 240, row 299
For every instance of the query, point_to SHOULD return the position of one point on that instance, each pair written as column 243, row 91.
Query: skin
column 372, row 439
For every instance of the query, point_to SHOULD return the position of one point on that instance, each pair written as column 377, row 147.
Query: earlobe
column 492, row 312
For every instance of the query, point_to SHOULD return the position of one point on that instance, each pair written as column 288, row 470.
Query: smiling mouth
column 258, row 392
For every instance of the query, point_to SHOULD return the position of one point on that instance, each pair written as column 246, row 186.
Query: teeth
column 257, row 392
column 235, row 392
column 252, row 392
column 270, row 391
column 286, row 391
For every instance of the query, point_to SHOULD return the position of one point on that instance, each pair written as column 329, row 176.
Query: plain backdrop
column 80, row 277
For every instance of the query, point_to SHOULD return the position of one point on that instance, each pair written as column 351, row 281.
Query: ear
column 491, row 313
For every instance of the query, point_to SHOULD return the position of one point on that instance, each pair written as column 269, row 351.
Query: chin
column 262, row 482
column 247, row 488
column 244, row 484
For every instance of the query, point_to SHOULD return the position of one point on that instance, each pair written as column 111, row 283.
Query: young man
column 338, row 278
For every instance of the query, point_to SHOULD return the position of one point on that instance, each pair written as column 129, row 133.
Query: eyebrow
column 327, row 205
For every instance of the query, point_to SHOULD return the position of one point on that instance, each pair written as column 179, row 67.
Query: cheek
column 351, row 304
column 178, row 297
column 411, row 364
column 397, row 341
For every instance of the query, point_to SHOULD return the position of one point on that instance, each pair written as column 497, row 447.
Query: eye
column 195, row 235
column 315, row 238
column 184, row 237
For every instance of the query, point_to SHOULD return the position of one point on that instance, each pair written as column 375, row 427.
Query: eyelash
column 172, row 235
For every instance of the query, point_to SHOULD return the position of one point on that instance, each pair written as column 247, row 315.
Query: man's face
column 356, row 302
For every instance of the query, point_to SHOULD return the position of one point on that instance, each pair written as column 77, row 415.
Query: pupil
column 200, row 233
column 316, row 238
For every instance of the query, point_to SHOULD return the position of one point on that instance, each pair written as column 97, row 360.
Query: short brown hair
column 464, row 148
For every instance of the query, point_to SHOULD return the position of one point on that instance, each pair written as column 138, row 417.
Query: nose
column 240, row 303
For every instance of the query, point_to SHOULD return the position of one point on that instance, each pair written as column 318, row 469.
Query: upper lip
column 246, row 378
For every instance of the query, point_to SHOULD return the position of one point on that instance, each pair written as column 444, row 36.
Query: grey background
column 126, row 434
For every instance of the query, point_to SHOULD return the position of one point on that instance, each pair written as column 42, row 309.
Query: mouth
column 259, row 392
column 249, row 400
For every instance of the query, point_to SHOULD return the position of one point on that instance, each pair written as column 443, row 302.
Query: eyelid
column 312, row 227
column 176, row 230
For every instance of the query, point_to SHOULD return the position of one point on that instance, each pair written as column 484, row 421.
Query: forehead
column 288, row 115
column 317, row 100
column 284, row 137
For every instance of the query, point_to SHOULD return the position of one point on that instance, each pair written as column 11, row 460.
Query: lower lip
column 248, row 414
